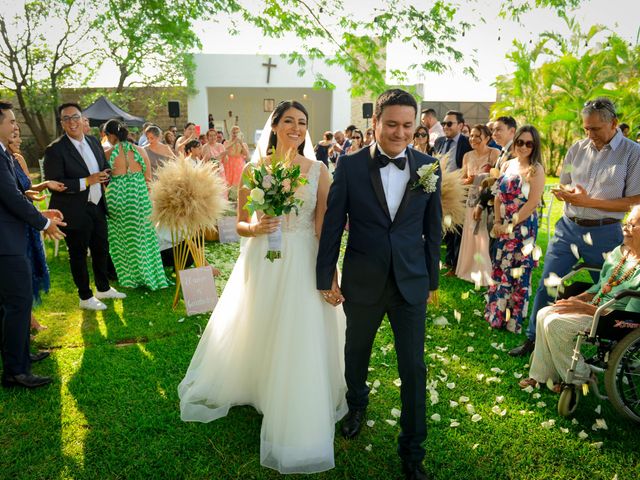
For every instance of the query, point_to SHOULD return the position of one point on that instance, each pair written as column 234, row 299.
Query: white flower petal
column 553, row 280
column 517, row 375
column 464, row 295
column 371, row 423
column 397, row 382
column 391, row 422
column 574, row 250
column 435, row 417
column 541, row 404
column 470, row 349
column 368, row 447
column 587, row 238
column 597, row 445
column 457, row 315
column 470, row 409
column 598, row 409
column 395, row 413
column 463, row 399
column 453, row 403
column 454, row 424
column 564, row 430
column 583, row 435
column 451, row 385
column 476, row 418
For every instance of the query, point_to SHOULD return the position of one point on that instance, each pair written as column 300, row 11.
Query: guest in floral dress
column 519, row 191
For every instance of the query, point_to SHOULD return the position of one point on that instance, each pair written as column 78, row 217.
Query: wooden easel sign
column 198, row 290
column 227, row 230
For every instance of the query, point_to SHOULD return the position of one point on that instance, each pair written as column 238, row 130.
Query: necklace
column 615, row 280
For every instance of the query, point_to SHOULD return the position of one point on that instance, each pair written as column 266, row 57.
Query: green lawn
column 112, row 411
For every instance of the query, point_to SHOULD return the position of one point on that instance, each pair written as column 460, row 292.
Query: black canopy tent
column 103, row 109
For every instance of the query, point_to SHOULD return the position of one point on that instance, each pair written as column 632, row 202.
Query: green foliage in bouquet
column 272, row 186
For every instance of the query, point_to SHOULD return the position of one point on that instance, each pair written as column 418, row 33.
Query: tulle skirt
column 273, row 343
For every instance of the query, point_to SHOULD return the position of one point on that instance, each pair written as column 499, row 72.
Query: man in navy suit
column 16, row 296
column 390, row 265
column 77, row 160
column 453, row 145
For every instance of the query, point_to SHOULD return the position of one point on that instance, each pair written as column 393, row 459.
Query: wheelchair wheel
column 569, row 398
column 622, row 378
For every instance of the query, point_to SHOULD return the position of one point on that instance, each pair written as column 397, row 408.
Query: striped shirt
column 608, row 174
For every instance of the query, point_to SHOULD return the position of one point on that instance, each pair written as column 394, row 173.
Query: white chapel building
column 244, row 89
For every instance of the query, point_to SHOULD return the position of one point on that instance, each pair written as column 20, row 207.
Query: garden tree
column 62, row 42
column 37, row 60
column 553, row 78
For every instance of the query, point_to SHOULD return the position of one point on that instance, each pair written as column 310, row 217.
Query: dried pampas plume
column 454, row 199
column 188, row 197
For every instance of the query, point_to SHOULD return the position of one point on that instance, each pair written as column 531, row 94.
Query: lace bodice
column 305, row 220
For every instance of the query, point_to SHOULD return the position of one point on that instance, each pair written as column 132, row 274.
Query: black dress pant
column 408, row 324
column 452, row 241
column 91, row 234
column 16, row 298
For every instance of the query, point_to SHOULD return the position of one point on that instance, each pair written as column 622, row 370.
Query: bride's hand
column 266, row 224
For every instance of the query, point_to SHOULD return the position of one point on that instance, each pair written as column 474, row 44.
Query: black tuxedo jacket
column 463, row 147
column 410, row 244
column 16, row 211
column 63, row 163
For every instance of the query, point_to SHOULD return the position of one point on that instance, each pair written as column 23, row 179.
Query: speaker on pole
column 367, row 110
column 174, row 109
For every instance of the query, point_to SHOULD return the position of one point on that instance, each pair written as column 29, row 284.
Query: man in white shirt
column 78, row 161
column 429, row 119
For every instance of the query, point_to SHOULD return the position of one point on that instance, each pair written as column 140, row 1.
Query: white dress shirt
column 435, row 132
column 84, row 149
column 394, row 182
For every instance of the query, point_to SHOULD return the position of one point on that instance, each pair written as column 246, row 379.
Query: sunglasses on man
column 448, row 124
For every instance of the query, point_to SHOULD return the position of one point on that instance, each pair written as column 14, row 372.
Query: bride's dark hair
column 277, row 115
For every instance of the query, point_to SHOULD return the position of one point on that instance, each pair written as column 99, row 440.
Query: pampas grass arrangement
column 188, row 198
column 454, row 198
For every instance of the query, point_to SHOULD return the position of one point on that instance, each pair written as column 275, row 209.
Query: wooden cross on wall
column 269, row 66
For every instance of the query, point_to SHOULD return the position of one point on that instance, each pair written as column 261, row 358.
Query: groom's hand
column 334, row 296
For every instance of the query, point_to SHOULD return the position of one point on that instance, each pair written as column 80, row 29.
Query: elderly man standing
column 600, row 182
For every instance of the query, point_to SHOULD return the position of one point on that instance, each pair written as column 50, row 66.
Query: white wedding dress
column 273, row 343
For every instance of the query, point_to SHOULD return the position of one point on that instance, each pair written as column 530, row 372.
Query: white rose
column 257, row 195
column 423, row 170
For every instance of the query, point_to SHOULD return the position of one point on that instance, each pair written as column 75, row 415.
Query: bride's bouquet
column 272, row 184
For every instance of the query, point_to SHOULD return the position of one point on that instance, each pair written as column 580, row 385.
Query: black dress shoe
column 525, row 349
column 36, row 357
column 414, row 471
column 352, row 423
column 26, row 380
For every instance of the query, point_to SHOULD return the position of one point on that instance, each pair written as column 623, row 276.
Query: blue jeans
column 560, row 259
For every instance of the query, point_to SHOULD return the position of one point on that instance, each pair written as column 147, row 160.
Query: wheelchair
column 616, row 337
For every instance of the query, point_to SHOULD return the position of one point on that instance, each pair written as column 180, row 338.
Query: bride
column 272, row 342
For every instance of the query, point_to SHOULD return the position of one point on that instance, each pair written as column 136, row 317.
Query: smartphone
column 197, row 130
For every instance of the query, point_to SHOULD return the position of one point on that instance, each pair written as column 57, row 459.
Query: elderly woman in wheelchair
column 607, row 315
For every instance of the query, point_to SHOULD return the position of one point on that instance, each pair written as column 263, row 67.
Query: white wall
column 248, row 71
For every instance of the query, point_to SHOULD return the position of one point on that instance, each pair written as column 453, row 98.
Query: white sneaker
column 92, row 304
column 111, row 293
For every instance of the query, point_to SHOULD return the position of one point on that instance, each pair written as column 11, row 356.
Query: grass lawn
column 112, row 411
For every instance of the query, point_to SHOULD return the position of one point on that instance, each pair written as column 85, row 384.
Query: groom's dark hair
column 395, row 96
column 275, row 119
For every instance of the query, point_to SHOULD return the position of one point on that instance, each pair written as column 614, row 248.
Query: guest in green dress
column 559, row 324
column 132, row 239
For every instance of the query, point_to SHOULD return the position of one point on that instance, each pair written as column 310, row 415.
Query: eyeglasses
column 421, row 135
column 72, row 118
column 601, row 105
column 522, row 143
column 356, row 138
column 630, row 226
column 448, row 124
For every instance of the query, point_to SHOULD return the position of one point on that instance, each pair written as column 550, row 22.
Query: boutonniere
column 427, row 177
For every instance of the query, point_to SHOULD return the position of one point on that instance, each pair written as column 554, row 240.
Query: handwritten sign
column 227, row 230
column 198, row 290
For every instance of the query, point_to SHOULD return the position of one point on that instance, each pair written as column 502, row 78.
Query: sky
column 492, row 38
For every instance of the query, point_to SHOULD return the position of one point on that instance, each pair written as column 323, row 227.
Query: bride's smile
column 291, row 129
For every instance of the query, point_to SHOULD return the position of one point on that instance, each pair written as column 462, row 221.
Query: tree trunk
column 38, row 129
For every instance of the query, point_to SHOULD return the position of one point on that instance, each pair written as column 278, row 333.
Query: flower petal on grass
column 451, row 385
column 470, row 349
column 457, row 315
column 464, row 295
column 453, row 403
column 476, row 418
column 435, row 417
column 395, row 413
column 463, row 399
column 470, row 409
column 371, row 423
column 391, row 422
column 499, row 399
column 583, row 435
column 517, row 375
column 397, row 382
column 454, row 424
column 368, row 447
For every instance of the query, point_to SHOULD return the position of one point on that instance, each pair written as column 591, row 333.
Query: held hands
column 334, row 296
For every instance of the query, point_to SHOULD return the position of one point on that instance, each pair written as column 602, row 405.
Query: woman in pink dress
column 474, row 263
column 236, row 153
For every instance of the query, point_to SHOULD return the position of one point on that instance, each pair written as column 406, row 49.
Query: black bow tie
column 383, row 161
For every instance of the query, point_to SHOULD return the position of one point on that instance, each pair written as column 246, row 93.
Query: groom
column 390, row 266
